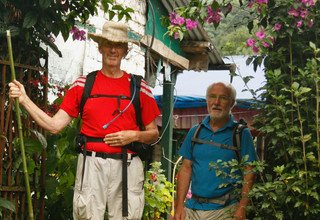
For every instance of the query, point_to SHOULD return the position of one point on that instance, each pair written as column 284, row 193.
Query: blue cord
column 125, row 109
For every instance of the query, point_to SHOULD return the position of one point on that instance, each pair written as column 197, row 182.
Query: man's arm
column 121, row 138
column 248, row 181
column 183, row 184
column 52, row 124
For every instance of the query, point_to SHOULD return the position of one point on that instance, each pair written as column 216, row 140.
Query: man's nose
column 217, row 100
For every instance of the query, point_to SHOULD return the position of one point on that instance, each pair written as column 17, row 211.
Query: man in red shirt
column 98, row 178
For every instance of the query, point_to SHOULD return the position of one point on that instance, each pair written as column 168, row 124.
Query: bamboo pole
column 17, row 107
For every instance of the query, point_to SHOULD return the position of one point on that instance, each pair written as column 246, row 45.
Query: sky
column 191, row 83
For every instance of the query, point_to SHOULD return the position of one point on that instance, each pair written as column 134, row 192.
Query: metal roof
column 199, row 34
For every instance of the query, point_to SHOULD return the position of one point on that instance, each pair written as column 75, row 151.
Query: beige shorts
column 221, row 214
column 102, row 188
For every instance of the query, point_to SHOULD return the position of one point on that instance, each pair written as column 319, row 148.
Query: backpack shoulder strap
column 194, row 137
column 236, row 135
column 87, row 89
column 135, row 84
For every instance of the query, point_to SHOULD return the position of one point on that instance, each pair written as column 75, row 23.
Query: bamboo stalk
column 17, row 107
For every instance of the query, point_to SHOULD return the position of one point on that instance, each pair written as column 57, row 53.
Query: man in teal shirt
column 210, row 200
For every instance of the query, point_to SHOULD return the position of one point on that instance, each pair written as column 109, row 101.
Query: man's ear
column 100, row 49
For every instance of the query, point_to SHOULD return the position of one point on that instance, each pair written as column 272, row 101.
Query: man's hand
column 17, row 90
column 180, row 213
column 120, row 138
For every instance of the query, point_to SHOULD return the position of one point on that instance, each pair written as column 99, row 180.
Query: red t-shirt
column 101, row 110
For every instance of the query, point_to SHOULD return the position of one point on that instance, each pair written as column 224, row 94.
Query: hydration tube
column 126, row 108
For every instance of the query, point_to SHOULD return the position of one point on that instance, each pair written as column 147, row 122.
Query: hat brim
column 98, row 37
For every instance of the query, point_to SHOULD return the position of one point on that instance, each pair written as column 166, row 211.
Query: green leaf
column 312, row 45
column 118, row 8
column 278, row 169
column 250, row 26
column 296, row 189
column 44, row 3
column 111, row 15
column 303, row 90
column 306, row 138
column 7, row 204
column 295, row 85
column 30, row 19
column 246, row 79
column 32, row 145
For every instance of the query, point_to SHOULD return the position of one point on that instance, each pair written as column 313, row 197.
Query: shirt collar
column 229, row 124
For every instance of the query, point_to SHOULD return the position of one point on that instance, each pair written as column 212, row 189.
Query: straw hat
column 114, row 32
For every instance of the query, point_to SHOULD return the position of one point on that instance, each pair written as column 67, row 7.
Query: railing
column 12, row 186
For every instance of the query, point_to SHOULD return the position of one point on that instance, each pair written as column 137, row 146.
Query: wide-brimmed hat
column 114, row 32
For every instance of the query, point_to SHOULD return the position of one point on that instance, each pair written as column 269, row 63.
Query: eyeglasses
column 113, row 44
column 222, row 98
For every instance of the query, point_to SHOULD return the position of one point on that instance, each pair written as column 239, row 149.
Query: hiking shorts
column 220, row 214
column 102, row 188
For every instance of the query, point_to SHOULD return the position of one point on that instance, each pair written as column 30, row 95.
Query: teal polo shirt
column 204, row 182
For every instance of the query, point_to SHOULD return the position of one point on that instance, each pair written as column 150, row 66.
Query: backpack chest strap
column 219, row 145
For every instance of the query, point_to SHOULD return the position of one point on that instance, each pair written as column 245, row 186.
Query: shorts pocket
column 82, row 205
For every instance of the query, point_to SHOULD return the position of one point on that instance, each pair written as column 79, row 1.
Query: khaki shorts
column 102, row 186
column 221, row 214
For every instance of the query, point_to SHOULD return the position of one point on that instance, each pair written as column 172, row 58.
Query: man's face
column 112, row 53
column 219, row 102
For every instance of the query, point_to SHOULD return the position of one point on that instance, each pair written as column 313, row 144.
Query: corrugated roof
column 199, row 34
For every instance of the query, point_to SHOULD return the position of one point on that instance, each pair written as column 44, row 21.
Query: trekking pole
column 24, row 162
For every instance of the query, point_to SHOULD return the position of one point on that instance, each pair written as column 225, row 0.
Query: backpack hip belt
column 222, row 200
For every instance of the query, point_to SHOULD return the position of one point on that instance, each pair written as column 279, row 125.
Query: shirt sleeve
column 71, row 101
column 186, row 147
column 149, row 107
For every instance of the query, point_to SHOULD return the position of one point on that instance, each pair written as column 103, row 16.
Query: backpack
column 144, row 151
column 236, row 138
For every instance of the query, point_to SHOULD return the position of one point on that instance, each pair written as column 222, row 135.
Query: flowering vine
column 78, row 34
column 300, row 16
column 187, row 18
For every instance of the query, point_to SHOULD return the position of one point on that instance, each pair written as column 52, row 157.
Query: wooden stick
column 17, row 107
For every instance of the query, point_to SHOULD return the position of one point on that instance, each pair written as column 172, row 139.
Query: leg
column 90, row 202
column 135, row 190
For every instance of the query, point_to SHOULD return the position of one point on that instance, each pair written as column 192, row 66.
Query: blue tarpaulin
column 200, row 102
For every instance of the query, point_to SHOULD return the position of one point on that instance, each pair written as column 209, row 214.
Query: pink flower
column 78, row 34
column 299, row 24
column 250, row 4
column 251, row 42
column 310, row 23
column 308, row 2
column 277, row 26
column 261, row 1
column 260, row 34
column 303, row 13
column 176, row 19
column 190, row 24
column 255, row 49
column 293, row 12
column 265, row 44
column 213, row 16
